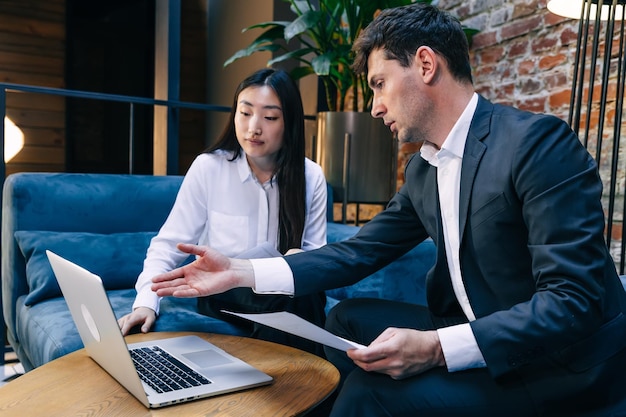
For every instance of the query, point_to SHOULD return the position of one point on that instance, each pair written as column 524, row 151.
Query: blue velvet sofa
column 104, row 222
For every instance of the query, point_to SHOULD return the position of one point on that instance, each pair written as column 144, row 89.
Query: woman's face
column 259, row 122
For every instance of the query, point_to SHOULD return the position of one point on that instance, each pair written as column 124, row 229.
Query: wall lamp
column 575, row 9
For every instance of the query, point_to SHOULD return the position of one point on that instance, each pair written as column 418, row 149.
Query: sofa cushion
column 117, row 258
column 47, row 331
column 402, row 280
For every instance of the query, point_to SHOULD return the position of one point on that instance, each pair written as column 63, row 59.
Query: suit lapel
column 474, row 150
column 439, row 292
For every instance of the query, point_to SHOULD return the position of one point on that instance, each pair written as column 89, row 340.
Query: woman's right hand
column 141, row 316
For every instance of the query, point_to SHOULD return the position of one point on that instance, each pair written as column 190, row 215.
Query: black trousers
column 244, row 300
column 436, row 392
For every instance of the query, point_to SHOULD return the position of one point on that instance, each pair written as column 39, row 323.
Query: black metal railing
column 597, row 108
column 131, row 101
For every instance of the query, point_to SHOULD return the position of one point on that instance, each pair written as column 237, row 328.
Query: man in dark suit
column 526, row 314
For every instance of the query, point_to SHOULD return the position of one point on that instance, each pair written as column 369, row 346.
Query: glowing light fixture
column 577, row 9
column 13, row 139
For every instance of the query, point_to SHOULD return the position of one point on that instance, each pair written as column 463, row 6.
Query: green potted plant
column 322, row 34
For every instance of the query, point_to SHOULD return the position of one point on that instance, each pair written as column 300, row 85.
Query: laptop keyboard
column 163, row 372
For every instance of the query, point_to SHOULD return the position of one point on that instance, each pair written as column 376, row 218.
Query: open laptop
column 216, row 372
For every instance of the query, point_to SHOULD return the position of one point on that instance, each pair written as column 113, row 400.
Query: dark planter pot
column 359, row 157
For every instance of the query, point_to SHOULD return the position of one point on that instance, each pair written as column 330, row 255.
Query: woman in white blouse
column 253, row 188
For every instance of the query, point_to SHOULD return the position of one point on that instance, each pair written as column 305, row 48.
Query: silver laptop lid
column 97, row 326
column 103, row 341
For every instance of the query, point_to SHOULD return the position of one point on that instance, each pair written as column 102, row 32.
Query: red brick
column 484, row 91
column 492, row 55
column 557, row 81
column 485, row 71
column 521, row 27
column 525, row 67
column 552, row 19
column 568, row 36
column 505, row 91
column 593, row 118
column 505, row 102
column 551, row 61
column 530, row 86
column 506, row 71
column 522, row 10
column 543, row 44
column 518, row 49
column 484, row 39
column 560, row 99
column 536, row 105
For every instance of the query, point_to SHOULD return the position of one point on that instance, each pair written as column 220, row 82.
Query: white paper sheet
column 264, row 250
column 293, row 324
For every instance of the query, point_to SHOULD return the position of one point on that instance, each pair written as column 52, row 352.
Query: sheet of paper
column 264, row 250
column 293, row 324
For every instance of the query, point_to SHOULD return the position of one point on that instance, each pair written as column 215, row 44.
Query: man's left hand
column 400, row 353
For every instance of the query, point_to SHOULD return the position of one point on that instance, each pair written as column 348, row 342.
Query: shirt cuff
column 460, row 348
column 272, row 276
column 147, row 299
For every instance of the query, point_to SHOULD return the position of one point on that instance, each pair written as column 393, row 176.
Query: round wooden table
column 75, row 385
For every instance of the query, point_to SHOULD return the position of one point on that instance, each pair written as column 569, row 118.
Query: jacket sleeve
column 383, row 239
column 563, row 290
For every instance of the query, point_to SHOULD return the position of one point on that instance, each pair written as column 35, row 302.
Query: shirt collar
column 455, row 141
column 245, row 172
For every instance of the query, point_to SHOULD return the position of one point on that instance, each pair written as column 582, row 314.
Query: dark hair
column 400, row 31
column 289, row 169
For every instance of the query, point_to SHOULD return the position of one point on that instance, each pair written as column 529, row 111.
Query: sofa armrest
column 402, row 280
column 62, row 202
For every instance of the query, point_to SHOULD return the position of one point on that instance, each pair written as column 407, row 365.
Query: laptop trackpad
column 207, row 358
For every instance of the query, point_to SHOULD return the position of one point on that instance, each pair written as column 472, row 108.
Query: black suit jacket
column 549, row 305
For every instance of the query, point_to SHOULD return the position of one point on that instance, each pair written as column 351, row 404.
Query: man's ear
column 426, row 61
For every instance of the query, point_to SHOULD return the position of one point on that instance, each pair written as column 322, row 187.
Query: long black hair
column 289, row 170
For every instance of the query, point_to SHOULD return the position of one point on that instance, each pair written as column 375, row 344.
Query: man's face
column 399, row 97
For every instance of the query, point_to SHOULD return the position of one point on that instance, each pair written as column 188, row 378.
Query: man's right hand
column 143, row 316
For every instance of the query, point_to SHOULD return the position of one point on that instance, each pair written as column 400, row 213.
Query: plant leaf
column 292, row 54
column 263, row 25
column 302, row 24
column 250, row 50
column 321, row 64
column 299, row 72
column 263, row 42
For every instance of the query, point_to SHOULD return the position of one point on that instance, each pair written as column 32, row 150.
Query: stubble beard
column 412, row 136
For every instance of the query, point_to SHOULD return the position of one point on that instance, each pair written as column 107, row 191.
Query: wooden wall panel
column 192, row 80
column 32, row 52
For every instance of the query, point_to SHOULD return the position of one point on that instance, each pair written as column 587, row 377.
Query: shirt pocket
column 227, row 233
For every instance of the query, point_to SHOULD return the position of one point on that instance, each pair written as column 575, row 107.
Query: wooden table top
column 75, row 385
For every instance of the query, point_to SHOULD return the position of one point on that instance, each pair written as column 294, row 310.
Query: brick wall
column 523, row 55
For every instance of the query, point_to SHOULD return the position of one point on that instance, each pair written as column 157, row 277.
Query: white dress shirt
column 221, row 204
column 458, row 342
